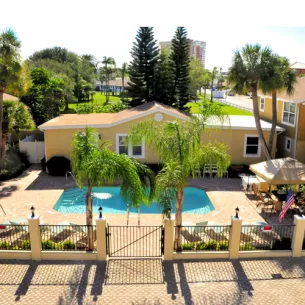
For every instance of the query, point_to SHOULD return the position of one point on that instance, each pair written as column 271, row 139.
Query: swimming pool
column 73, row 201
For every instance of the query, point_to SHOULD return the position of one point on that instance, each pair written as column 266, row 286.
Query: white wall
column 35, row 150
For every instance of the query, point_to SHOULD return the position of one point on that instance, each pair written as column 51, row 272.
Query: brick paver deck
column 42, row 191
column 151, row 281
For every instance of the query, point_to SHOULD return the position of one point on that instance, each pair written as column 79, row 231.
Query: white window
column 287, row 144
column 252, row 146
column 124, row 147
column 262, row 104
column 289, row 111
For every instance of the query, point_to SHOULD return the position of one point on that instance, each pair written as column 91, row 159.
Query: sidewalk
column 150, row 281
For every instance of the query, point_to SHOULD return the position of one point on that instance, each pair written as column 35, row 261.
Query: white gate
column 35, row 150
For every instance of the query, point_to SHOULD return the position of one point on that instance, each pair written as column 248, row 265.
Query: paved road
column 149, row 281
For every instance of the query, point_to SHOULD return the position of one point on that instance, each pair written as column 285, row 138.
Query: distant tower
column 196, row 48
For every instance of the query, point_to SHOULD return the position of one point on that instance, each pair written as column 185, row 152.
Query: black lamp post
column 169, row 212
column 32, row 210
column 101, row 212
column 236, row 210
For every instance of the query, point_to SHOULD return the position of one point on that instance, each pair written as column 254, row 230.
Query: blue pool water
column 72, row 200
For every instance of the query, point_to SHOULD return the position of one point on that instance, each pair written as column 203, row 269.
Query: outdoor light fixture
column 169, row 213
column 32, row 210
column 100, row 210
column 236, row 210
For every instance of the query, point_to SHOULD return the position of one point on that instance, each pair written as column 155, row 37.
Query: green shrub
column 26, row 245
column 223, row 246
column 68, row 244
column 188, row 246
column 48, row 245
column 247, row 246
column 211, row 245
column 4, row 245
column 283, row 244
column 111, row 108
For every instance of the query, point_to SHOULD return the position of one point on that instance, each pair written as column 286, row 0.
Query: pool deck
column 36, row 188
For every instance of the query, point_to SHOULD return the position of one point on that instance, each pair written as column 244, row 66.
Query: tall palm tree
column 123, row 71
column 108, row 69
column 182, row 153
column 281, row 78
column 94, row 164
column 250, row 66
column 10, row 66
column 213, row 76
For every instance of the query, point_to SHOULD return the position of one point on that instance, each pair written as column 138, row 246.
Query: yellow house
column 239, row 132
column 290, row 116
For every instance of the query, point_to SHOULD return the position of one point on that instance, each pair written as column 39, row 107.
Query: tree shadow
column 7, row 191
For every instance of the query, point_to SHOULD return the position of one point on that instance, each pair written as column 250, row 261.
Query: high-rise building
column 196, row 48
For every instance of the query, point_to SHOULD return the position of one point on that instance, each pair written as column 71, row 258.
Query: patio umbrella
column 280, row 171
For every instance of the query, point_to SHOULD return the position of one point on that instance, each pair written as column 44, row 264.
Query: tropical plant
column 197, row 76
column 252, row 65
column 10, row 66
column 107, row 72
column 94, row 164
column 180, row 67
column 281, row 77
column 206, row 81
column 16, row 117
column 45, row 97
column 123, row 72
column 213, row 76
column 145, row 54
column 182, row 153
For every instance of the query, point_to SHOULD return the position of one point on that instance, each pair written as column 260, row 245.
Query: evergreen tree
column 180, row 67
column 142, row 69
column 164, row 79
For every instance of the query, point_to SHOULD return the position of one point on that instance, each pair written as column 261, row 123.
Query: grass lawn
column 229, row 110
column 98, row 99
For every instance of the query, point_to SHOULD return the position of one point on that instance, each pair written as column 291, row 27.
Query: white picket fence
column 34, row 149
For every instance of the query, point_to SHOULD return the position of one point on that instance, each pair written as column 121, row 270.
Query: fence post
column 298, row 236
column 168, row 239
column 101, row 245
column 35, row 237
column 234, row 241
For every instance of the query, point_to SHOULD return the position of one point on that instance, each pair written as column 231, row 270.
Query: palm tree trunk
column 89, row 216
column 179, row 206
column 3, row 149
column 274, row 117
column 212, row 90
column 2, row 156
column 258, row 122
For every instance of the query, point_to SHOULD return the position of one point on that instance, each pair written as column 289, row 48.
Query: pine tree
column 164, row 78
column 180, row 67
column 142, row 70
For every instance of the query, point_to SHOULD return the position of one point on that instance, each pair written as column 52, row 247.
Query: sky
column 108, row 28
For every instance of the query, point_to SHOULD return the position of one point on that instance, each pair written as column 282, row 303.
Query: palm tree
column 281, row 78
column 213, row 77
column 10, row 66
column 250, row 67
column 123, row 71
column 108, row 69
column 94, row 164
column 182, row 153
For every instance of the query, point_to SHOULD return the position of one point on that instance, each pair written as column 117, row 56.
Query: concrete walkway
column 150, row 281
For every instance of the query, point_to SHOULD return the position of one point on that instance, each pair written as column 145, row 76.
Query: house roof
column 298, row 65
column 97, row 120
column 244, row 122
column 8, row 97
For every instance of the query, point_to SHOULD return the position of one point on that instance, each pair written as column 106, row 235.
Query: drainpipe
column 296, row 132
